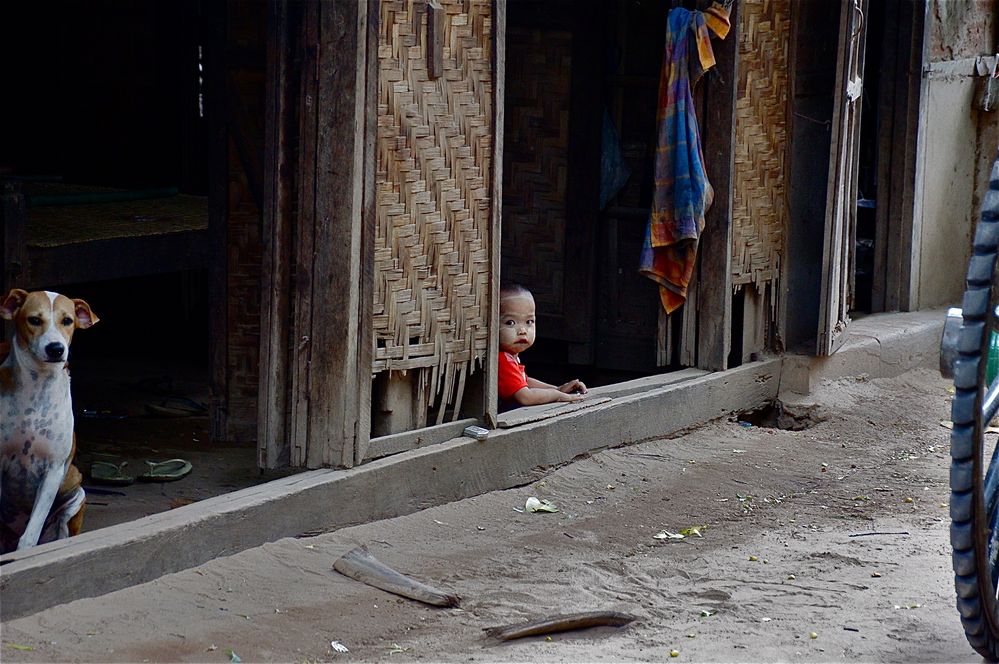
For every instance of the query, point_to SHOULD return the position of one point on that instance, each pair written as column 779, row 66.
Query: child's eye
column 511, row 323
column 530, row 321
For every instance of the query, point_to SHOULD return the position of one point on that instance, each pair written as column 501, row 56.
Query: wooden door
column 841, row 194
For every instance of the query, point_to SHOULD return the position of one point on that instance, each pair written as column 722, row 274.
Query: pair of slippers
column 108, row 472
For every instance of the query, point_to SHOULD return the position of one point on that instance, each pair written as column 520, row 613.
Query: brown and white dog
column 41, row 497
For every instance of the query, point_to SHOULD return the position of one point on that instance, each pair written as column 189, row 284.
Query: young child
column 516, row 334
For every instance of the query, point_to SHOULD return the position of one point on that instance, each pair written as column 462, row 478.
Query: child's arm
column 574, row 385
column 534, row 395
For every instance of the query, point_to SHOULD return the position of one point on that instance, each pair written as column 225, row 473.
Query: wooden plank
column 688, row 333
column 218, row 217
column 490, row 393
column 435, row 39
column 98, row 562
column 529, row 414
column 273, row 449
column 302, row 307
column 410, row 440
column 340, row 136
column 888, row 88
column 714, row 296
column 366, row 286
column 629, row 387
column 901, row 231
column 755, row 314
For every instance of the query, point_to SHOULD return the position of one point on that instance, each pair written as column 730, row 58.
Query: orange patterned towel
column 682, row 192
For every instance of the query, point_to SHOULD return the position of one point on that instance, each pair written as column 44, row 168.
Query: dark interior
column 571, row 66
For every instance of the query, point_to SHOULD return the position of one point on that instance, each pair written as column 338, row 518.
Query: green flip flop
column 166, row 471
column 106, row 472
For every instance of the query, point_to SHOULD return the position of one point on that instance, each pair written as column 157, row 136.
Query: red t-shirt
column 512, row 376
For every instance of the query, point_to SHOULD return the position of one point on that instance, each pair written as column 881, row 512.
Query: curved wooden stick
column 561, row 623
column 361, row 566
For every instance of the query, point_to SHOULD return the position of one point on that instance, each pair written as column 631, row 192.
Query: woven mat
column 432, row 254
column 760, row 202
column 73, row 224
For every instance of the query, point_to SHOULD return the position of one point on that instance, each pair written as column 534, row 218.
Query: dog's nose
column 55, row 350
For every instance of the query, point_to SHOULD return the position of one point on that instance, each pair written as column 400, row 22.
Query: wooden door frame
column 317, row 282
column 714, row 282
column 490, row 394
column 836, row 288
column 895, row 244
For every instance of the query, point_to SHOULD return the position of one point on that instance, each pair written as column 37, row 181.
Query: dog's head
column 44, row 322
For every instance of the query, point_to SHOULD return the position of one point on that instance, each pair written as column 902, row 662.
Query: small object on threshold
column 361, row 566
column 476, row 432
column 561, row 623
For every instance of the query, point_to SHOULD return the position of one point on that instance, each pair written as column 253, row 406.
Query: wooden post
column 330, row 427
column 273, row 446
column 714, row 290
column 366, row 295
column 490, row 392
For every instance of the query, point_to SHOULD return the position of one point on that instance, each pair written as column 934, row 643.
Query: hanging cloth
column 682, row 193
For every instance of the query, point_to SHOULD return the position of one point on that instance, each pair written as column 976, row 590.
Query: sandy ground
column 779, row 559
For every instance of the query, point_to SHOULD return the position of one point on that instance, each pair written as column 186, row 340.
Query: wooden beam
column 901, row 261
column 366, row 285
column 273, row 446
column 301, row 346
column 714, row 294
column 335, row 425
column 491, row 395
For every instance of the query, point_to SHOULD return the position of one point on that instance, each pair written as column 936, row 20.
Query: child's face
column 516, row 333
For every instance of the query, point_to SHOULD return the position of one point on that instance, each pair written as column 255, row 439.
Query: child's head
column 516, row 333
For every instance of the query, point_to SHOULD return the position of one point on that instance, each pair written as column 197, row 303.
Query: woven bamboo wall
column 760, row 207
column 535, row 161
column 434, row 153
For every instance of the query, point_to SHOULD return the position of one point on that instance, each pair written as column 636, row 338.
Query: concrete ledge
column 109, row 559
column 878, row 346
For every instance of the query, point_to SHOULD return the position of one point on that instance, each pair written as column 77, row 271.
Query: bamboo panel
column 432, row 253
column 760, row 206
column 535, row 161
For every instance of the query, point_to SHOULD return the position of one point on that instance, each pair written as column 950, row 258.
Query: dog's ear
column 84, row 316
column 12, row 301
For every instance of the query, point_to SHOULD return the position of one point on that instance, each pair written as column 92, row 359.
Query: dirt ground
column 789, row 549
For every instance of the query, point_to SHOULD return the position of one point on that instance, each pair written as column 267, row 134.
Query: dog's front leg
column 44, row 499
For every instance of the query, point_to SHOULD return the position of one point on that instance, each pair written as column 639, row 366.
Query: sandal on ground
column 166, row 471
column 106, row 472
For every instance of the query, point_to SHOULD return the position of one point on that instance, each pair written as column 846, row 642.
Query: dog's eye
column 67, row 321
column 34, row 320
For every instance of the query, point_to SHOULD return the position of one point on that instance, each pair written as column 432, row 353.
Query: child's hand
column 573, row 386
column 570, row 397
